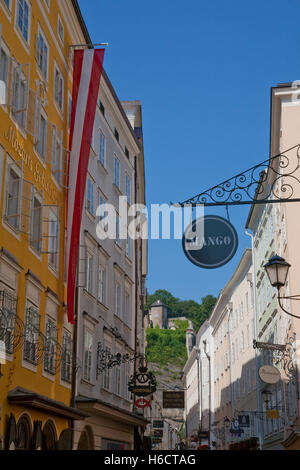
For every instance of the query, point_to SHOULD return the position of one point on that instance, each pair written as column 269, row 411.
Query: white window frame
column 116, row 171
column 90, row 202
column 59, row 22
column 41, row 33
column 118, row 299
column 19, row 31
column 89, row 272
column 61, row 79
column 102, row 148
column 102, row 278
column 18, row 173
column 87, row 355
column 37, row 146
column 53, row 264
column 128, row 187
column 35, row 196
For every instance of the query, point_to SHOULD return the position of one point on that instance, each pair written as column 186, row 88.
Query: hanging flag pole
column 87, row 72
column 90, row 44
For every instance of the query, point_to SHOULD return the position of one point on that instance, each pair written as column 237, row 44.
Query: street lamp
column 277, row 270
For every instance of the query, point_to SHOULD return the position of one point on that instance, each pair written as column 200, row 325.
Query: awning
column 118, row 414
column 21, row 396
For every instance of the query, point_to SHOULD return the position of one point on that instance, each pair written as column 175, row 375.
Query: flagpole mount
column 89, row 45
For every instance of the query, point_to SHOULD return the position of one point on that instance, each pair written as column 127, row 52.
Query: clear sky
column 203, row 72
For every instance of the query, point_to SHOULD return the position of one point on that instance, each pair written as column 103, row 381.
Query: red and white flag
column 86, row 81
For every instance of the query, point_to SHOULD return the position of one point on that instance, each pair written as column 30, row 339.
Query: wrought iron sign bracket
column 284, row 354
column 271, row 181
column 106, row 360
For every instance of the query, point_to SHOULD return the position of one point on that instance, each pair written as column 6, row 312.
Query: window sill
column 86, row 382
column 118, row 247
column 129, row 260
column 90, row 215
column 89, row 294
column 102, row 167
column 100, row 304
column 117, row 189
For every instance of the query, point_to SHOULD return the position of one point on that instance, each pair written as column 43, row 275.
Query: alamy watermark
column 136, row 221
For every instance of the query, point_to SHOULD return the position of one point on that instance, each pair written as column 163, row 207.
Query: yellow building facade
column 35, row 336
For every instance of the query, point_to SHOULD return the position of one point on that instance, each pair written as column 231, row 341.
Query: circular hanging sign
column 269, row 374
column 210, row 242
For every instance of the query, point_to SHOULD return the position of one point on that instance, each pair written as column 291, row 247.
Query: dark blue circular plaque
column 214, row 245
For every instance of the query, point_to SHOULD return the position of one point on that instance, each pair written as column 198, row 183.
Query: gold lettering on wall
column 37, row 170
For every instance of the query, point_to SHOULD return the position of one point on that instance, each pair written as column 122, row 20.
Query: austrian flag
column 86, row 81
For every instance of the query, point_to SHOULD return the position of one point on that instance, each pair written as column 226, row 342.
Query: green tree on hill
column 190, row 309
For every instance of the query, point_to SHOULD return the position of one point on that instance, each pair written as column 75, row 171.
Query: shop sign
column 173, row 399
column 272, row 414
column 244, row 421
column 142, row 403
column 158, row 433
column 158, row 424
column 211, row 246
column 203, row 434
column 269, row 374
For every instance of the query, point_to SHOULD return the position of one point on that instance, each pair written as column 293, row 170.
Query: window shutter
column 37, row 120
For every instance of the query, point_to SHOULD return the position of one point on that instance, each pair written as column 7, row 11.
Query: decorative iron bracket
column 283, row 354
column 271, row 181
column 106, row 360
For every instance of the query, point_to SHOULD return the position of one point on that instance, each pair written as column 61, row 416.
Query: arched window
column 23, row 433
column 49, row 436
column 86, row 441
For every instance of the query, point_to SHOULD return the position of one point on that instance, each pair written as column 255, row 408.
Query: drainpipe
column 209, row 394
column 199, row 375
column 230, row 362
column 260, row 422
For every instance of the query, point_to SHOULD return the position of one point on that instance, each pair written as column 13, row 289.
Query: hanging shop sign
column 158, row 433
column 142, row 403
column 156, row 440
column 142, row 383
column 244, row 421
column 269, row 374
column 173, row 399
column 158, row 424
column 210, row 242
column 272, row 414
column 203, row 435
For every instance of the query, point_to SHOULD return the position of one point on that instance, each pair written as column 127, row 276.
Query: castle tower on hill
column 159, row 314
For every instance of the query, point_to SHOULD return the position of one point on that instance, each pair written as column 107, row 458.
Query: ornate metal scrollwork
column 11, row 326
column 144, row 380
column 287, row 358
column 106, row 360
column 272, row 180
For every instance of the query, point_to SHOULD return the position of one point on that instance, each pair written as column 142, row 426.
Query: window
column 116, row 134
column 102, row 109
column 117, row 172
column 42, row 54
column 241, row 311
column 89, row 273
column 56, row 157
column 60, row 30
column 58, row 88
column 4, row 66
column 19, row 95
column 102, row 285
column 90, row 196
column 247, row 302
column 242, row 342
column 23, row 13
column 87, row 361
column 8, row 312
column 7, row 3
column 118, row 299
column 69, row 110
column 127, row 309
column 53, row 239
column 31, row 335
column 128, row 188
column 41, row 145
column 248, row 336
column 118, row 230
column 128, row 246
column 106, row 372
column 50, row 347
column 127, row 152
column 13, row 197
column 66, row 357
column 101, row 148
column 118, row 380
column 36, row 224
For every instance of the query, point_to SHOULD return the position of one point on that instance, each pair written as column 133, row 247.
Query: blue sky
column 203, row 72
